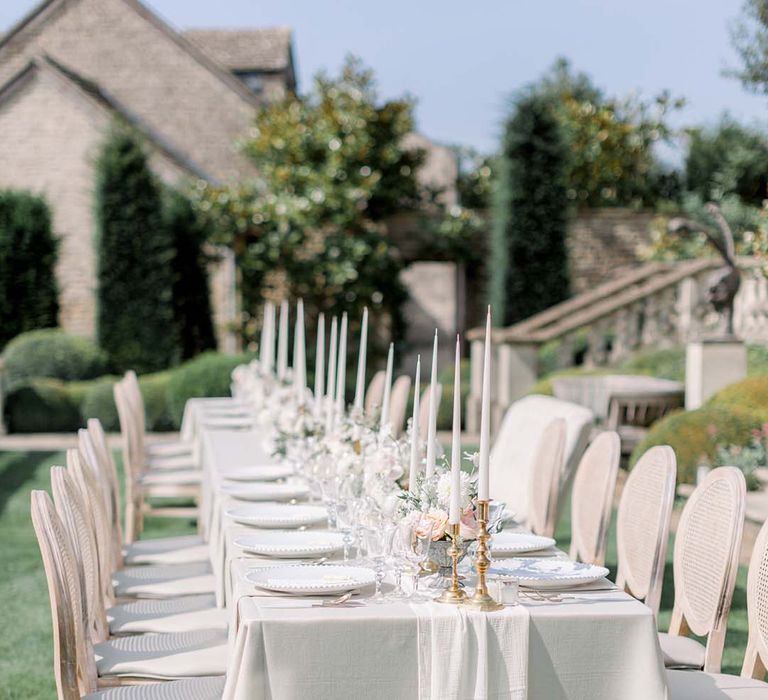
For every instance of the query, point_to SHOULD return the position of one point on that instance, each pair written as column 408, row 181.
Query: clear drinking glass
column 376, row 545
column 417, row 534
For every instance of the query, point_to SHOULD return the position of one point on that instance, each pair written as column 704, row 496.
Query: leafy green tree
column 191, row 294
column 528, row 260
column 135, row 256
column 610, row 140
column 332, row 168
column 749, row 36
column 28, row 291
column 729, row 159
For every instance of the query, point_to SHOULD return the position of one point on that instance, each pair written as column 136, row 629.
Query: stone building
column 70, row 67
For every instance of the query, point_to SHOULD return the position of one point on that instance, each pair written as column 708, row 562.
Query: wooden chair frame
column 594, row 487
column 686, row 617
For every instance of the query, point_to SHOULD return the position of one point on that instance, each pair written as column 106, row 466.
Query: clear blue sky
column 461, row 58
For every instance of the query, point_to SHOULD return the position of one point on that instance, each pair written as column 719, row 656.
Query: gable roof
column 245, row 49
column 104, row 100
column 48, row 8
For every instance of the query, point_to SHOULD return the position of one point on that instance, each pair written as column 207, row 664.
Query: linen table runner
column 469, row 654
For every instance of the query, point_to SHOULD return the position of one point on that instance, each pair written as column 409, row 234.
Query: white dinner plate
column 511, row 543
column 277, row 515
column 258, row 472
column 312, row 579
column 264, row 491
column 313, row 543
column 548, row 573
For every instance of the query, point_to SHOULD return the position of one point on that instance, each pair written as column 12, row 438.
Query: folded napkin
column 468, row 654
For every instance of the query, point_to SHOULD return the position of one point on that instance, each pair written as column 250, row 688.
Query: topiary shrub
column 135, row 252
column 99, row 402
column 28, row 291
column 445, row 412
column 750, row 394
column 51, row 353
column 696, row 435
column 207, row 375
column 154, row 389
column 41, row 406
column 528, row 261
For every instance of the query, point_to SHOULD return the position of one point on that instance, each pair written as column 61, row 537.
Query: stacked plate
column 548, row 573
column 264, row 491
column 312, row 579
column 291, row 543
column 277, row 515
column 258, row 472
column 506, row 544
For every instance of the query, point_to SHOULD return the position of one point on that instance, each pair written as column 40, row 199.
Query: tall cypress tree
column 529, row 261
column 28, row 291
column 135, row 254
column 191, row 295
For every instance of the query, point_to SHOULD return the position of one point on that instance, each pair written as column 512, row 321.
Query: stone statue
column 724, row 283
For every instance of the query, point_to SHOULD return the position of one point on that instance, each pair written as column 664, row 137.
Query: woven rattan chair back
column 92, row 443
column 756, row 657
column 424, row 409
column 74, row 663
column 375, row 393
column 133, row 464
column 96, row 510
column 398, row 404
column 642, row 525
column 74, row 514
column 594, row 487
column 545, row 479
column 706, row 560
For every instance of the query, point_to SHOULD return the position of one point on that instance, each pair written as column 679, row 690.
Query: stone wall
column 603, row 243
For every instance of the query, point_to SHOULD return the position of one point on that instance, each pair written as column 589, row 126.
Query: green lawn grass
column 26, row 646
column 26, row 652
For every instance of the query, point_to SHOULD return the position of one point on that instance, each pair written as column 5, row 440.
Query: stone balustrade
column 655, row 306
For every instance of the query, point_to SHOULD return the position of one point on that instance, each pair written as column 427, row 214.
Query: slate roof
column 245, row 49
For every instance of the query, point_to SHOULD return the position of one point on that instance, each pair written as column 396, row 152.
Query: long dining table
column 594, row 642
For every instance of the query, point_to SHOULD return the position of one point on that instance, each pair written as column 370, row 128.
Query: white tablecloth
column 593, row 644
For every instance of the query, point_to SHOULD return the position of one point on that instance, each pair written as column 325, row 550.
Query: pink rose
column 468, row 528
column 437, row 521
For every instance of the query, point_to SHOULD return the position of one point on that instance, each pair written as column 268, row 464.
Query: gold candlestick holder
column 455, row 594
column 481, row 600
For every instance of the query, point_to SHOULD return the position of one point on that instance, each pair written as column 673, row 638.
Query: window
column 254, row 80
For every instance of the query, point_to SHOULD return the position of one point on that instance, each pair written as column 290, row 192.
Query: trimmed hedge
column 695, row 435
column 750, row 394
column 208, row 374
column 41, row 406
column 28, row 250
column 48, row 405
column 52, row 353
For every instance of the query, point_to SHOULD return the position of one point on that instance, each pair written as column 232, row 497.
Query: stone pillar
column 475, row 386
column 515, row 373
column 711, row 365
column 225, row 301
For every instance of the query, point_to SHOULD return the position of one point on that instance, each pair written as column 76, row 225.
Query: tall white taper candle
column 331, row 388
column 454, row 514
column 415, row 452
column 387, row 387
column 320, row 365
column 282, row 342
column 432, row 421
column 341, row 372
column 360, row 385
column 485, row 416
column 300, row 361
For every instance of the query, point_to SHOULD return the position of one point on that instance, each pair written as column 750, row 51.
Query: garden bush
column 696, row 436
column 41, row 405
column 750, row 394
column 51, row 353
column 135, row 254
column 668, row 363
column 99, row 402
column 28, row 248
column 155, row 390
column 208, row 374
